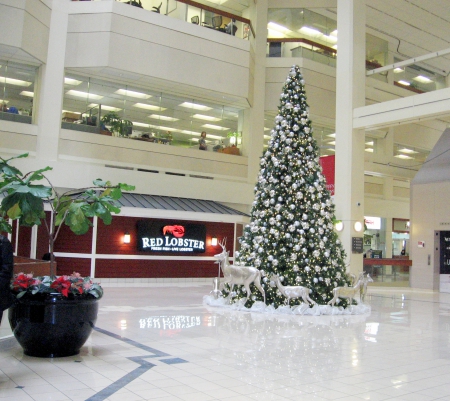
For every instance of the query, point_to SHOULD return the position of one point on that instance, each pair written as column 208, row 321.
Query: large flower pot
column 52, row 326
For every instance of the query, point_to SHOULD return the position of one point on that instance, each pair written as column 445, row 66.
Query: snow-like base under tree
column 302, row 309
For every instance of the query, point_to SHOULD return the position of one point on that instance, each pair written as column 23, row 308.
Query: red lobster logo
column 176, row 231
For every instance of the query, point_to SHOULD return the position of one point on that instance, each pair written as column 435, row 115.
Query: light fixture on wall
column 358, row 226
column 339, row 226
column 214, row 241
column 126, row 238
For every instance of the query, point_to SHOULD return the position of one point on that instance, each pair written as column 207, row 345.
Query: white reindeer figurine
column 241, row 275
column 363, row 289
column 347, row 292
column 290, row 291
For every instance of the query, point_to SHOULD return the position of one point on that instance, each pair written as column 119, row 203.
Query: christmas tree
column 291, row 231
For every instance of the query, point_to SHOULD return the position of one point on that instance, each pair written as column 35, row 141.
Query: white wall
column 136, row 41
column 24, row 27
column 430, row 212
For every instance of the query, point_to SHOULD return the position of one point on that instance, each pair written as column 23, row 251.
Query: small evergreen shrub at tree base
column 291, row 231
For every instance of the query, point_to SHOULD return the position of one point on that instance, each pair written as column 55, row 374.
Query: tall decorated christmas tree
column 291, row 232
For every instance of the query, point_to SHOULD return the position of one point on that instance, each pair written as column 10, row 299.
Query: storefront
column 143, row 242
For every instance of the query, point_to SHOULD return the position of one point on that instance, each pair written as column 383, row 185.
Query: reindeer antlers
column 223, row 243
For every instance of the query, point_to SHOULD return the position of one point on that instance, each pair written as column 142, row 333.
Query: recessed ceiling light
column 334, row 33
column 422, row 79
column 332, row 135
column 105, row 107
column 149, row 107
column 195, row 106
column 330, row 38
column 84, row 94
column 369, row 143
column 216, row 127
column 331, row 149
column 194, row 133
column 398, row 69
column 277, row 27
column 214, row 137
column 331, row 143
column 12, row 81
column 370, row 150
column 139, row 95
column 406, row 83
column 164, row 118
column 71, row 81
column 404, row 157
column 406, row 150
column 140, row 124
column 310, row 31
column 207, row 118
column 27, row 93
column 267, row 137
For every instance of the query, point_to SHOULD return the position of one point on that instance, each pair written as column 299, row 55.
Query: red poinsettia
column 62, row 284
column 23, row 281
column 74, row 286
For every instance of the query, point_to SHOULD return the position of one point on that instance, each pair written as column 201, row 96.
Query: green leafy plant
column 24, row 201
column 117, row 124
column 234, row 135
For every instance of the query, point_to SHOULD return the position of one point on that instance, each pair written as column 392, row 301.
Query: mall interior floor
column 161, row 343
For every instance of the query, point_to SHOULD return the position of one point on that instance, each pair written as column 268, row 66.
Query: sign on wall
column 159, row 236
column 372, row 223
column 445, row 252
column 328, row 163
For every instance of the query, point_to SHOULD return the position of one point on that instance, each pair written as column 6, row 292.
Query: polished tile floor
column 162, row 343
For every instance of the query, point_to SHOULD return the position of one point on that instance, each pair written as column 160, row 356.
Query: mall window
column 102, row 107
column 417, row 79
column 298, row 32
column 17, row 83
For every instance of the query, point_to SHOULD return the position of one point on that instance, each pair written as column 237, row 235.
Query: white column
column 350, row 93
column 51, row 84
column 254, row 119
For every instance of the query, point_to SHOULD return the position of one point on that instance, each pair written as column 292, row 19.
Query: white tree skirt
column 302, row 309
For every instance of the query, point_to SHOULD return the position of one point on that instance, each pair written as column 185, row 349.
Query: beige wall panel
column 373, row 189
column 16, row 143
column 428, row 202
column 401, row 192
column 35, row 38
column 11, row 22
column 374, row 206
column 153, row 156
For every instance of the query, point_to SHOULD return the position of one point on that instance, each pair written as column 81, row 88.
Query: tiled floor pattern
column 161, row 343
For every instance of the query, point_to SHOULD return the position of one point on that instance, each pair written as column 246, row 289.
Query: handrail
column 217, row 11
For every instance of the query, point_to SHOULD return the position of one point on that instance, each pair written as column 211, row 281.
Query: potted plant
column 118, row 125
column 234, row 138
column 56, row 304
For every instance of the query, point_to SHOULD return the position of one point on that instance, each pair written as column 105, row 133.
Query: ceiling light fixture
column 216, row 127
column 149, row 107
column 195, row 106
column 27, row 93
column 138, row 95
column 12, row 81
column 71, row 81
column 84, row 94
column 402, row 82
column 422, row 79
column 164, row 118
column 105, row 107
column 207, row 118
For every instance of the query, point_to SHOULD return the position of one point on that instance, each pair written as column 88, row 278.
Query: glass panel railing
column 225, row 18
column 102, row 107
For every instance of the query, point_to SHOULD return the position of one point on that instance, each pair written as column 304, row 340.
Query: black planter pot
column 52, row 326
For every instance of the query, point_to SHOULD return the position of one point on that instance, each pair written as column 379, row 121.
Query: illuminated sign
column 372, row 223
column 158, row 236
